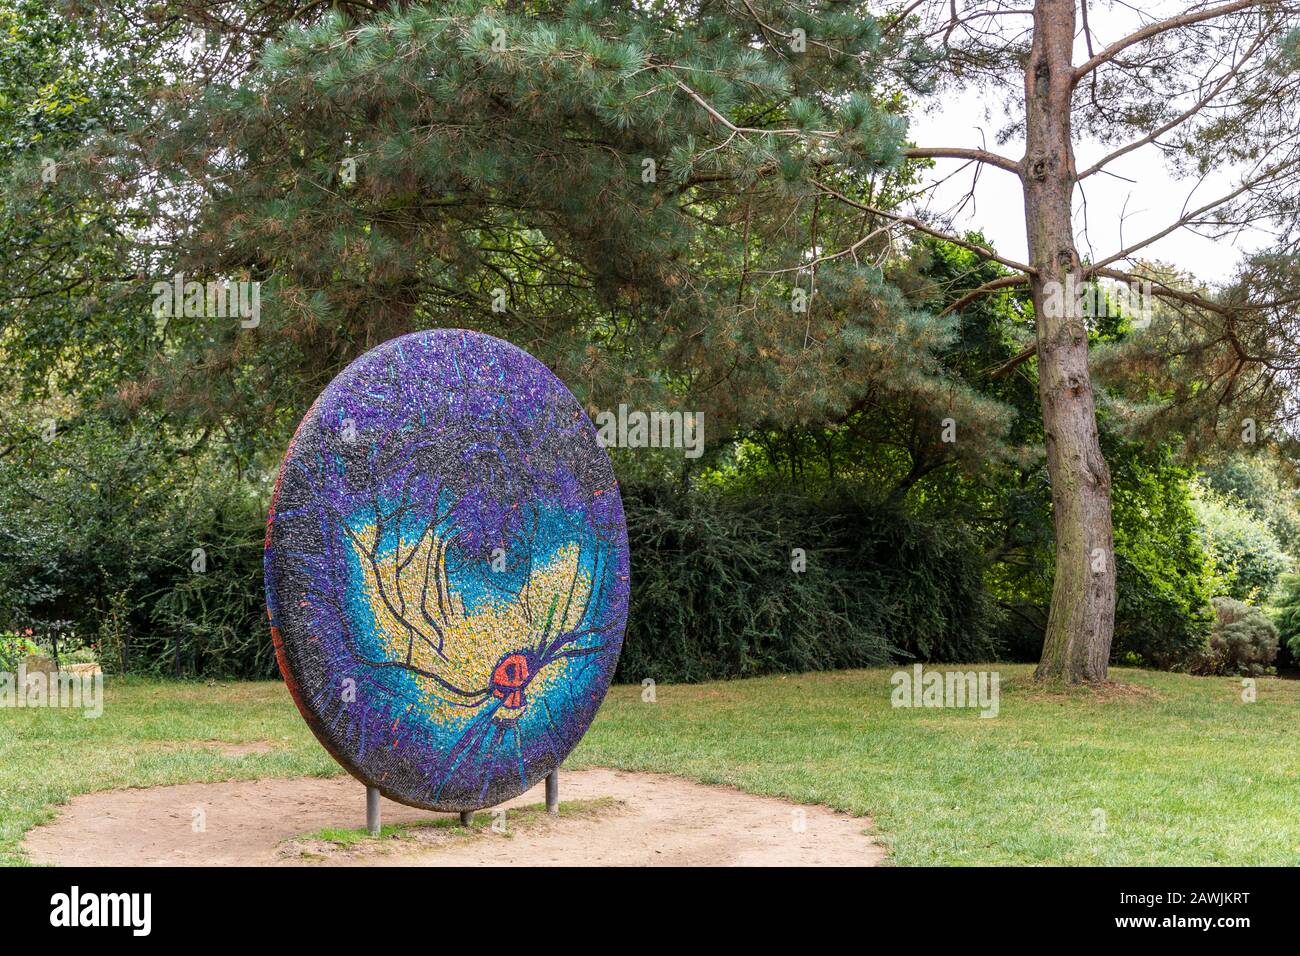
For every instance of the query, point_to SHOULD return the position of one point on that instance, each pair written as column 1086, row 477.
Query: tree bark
column 1081, row 623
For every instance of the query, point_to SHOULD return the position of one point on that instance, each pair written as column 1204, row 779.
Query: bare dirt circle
column 607, row 818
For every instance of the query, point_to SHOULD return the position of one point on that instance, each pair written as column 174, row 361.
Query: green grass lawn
column 1168, row 770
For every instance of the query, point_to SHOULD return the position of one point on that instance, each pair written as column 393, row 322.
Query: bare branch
column 920, row 226
column 1190, row 217
column 1162, row 289
column 708, row 108
column 1164, row 26
column 1002, row 282
column 1181, row 118
column 1024, row 355
column 952, row 152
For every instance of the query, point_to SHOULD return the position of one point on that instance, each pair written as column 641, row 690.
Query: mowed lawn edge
column 1160, row 769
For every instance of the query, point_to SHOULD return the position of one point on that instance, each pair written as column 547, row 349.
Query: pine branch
column 1002, row 282
column 1181, row 118
column 1164, row 26
column 1188, row 218
column 952, row 152
column 919, row 226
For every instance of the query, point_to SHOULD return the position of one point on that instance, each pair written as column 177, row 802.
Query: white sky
column 1154, row 199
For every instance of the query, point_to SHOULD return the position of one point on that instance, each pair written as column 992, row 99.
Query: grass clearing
column 1161, row 769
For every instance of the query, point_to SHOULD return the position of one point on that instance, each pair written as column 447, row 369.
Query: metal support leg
column 553, row 791
column 372, row 810
column 466, row 818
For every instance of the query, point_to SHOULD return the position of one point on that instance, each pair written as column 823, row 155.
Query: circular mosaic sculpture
column 447, row 570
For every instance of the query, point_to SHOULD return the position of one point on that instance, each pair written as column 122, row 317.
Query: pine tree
column 700, row 205
column 638, row 197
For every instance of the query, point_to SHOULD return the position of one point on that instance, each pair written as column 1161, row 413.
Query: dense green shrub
column 715, row 593
column 99, row 535
column 1163, row 582
column 1244, row 641
column 1286, row 616
column 213, row 622
column 1156, row 625
column 1163, row 577
column 14, row 649
column 1246, row 555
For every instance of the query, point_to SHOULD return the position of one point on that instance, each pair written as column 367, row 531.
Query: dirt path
column 629, row 819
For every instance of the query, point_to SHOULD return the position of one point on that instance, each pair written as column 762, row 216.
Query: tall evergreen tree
column 1211, row 85
column 688, row 202
column 567, row 175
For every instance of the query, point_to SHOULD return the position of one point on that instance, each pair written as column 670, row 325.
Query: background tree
column 1206, row 83
column 1286, row 615
column 705, row 206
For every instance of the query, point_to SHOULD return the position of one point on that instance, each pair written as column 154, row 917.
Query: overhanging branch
column 1182, row 117
column 1164, row 26
column 920, row 226
column 1002, row 282
column 1193, row 216
column 952, row 152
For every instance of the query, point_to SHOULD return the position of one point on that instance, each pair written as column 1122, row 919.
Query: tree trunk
column 1082, row 619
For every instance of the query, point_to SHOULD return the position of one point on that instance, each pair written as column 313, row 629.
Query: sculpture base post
column 372, row 810
column 466, row 818
column 553, row 791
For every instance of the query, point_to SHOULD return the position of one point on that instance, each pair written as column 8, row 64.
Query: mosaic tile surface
column 447, row 570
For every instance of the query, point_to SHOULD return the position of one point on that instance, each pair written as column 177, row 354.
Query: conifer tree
column 633, row 195
column 695, row 203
